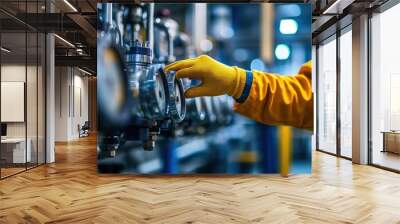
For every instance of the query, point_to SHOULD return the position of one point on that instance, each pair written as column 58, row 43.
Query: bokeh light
column 206, row 45
column 282, row 52
column 240, row 54
column 289, row 10
column 288, row 26
column 257, row 64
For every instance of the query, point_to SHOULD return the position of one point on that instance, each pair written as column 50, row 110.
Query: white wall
column 80, row 100
column 71, row 94
column 62, row 82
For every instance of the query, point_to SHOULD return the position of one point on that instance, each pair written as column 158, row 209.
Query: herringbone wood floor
column 70, row 191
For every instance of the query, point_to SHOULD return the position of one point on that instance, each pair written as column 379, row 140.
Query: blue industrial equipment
column 144, row 100
column 170, row 163
column 268, row 148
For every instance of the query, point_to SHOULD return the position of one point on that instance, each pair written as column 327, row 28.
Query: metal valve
column 148, row 85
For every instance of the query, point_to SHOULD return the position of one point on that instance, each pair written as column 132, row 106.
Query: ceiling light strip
column 84, row 71
column 5, row 50
column 64, row 40
column 70, row 5
column 337, row 7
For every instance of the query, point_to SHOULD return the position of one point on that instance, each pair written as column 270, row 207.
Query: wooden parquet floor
column 71, row 191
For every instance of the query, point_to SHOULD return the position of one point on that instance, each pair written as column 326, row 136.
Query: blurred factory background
column 274, row 38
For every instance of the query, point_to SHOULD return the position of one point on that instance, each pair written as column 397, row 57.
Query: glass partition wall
column 334, row 94
column 22, row 77
column 13, row 110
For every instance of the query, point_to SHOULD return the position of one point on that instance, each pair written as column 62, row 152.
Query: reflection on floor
column 346, row 152
column 71, row 191
column 387, row 159
column 8, row 170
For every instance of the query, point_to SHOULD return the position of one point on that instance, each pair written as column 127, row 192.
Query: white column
column 360, row 90
column 50, row 99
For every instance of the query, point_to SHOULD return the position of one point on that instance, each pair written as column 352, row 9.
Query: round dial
column 153, row 93
column 160, row 93
column 176, row 98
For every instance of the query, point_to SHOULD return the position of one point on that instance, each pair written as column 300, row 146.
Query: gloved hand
column 216, row 78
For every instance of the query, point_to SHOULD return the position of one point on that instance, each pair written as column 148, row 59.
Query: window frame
column 334, row 36
column 381, row 9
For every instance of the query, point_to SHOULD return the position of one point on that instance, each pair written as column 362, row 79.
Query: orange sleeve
column 280, row 100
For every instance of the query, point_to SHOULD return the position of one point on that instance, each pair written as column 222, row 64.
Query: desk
column 391, row 141
column 15, row 148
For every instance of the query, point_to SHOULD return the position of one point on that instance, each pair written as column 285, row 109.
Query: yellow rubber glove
column 216, row 78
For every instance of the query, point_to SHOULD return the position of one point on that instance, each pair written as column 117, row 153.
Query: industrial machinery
column 137, row 100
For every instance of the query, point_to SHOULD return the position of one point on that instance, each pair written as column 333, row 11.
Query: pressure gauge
column 176, row 98
column 113, row 97
column 154, row 92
